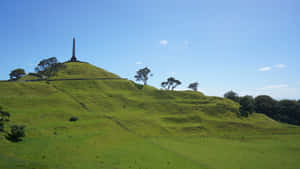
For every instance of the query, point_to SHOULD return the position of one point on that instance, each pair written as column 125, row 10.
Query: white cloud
column 138, row 63
column 263, row 69
column 275, row 86
column 163, row 42
column 280, row 66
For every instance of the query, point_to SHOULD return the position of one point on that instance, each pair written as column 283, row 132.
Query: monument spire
column 73, row 59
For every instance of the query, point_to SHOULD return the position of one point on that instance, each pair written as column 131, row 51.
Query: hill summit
column 76, row 70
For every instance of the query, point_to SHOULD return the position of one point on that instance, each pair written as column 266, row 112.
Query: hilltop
column 120, row 122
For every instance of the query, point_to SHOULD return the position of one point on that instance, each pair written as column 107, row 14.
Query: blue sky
column 249, row 46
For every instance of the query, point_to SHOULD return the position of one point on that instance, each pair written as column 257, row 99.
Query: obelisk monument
column 73, row 59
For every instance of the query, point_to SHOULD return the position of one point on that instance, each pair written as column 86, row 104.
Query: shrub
column 16, row 133
column 1, row 126
column 4, row 116
column 73, row 119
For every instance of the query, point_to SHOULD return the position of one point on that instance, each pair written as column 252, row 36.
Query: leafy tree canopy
column 194, row 86
column 247, row 105
column 45, row 64
column 171, row 83
column 142, row 75
column 17, row 74
column 232, row 96
column 48, row 67
column 266, row 105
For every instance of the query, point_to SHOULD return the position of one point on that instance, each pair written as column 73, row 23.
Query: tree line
column 287, row 111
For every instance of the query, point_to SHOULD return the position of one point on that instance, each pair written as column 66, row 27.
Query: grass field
column 122, row 125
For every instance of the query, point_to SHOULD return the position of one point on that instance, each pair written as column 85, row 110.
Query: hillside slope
column 117, row 118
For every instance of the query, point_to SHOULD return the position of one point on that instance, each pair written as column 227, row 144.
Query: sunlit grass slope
column 122, row 125
column 75, row 70
column 82, row 70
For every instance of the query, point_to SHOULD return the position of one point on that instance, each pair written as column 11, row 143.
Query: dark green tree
column 247, row 105
column 48, row 67
column 171, row 83
column 194, row 86
column 17, row 74
column 142, row 75
column 232, row 96
column 266, row 105
column 45, row 64
column 288, row 111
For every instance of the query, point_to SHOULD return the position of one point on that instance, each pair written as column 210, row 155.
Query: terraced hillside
column 124, row 125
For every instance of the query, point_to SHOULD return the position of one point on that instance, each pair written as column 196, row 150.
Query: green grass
column 124, row 126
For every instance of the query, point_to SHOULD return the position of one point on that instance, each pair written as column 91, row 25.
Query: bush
column 4, row 116
column 16, row 133
column 73, row 119
column 1, row 126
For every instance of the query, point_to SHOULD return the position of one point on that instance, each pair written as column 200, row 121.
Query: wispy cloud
column 275, row 86
column 268, row 68
column 263, row 69
column 163, row 42
column 138, row 63
column 280, row 66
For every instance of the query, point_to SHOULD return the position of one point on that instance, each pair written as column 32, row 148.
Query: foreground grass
column 127, row 151
column 122, row 125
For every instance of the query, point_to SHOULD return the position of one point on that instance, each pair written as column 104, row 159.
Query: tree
column 48, row 67
column 16, row 133
column 288, row 111
column 247, row 105
column 17, row 74
column 45, row 64
column 266, row 105
column 232, row 96
column 194, row 86
column 171, row 83
column 142, row 75
column 164, row 85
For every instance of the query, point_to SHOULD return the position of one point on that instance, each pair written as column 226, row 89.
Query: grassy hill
column 124, row 125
